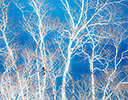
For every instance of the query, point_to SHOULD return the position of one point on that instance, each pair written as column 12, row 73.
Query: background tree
column 91, row 38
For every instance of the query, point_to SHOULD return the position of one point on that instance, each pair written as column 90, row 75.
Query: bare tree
column 95, row 30
column 36, row 75
column 102, row 31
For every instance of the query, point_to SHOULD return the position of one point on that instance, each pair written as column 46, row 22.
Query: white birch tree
column 95, row 30
column 102, row 26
